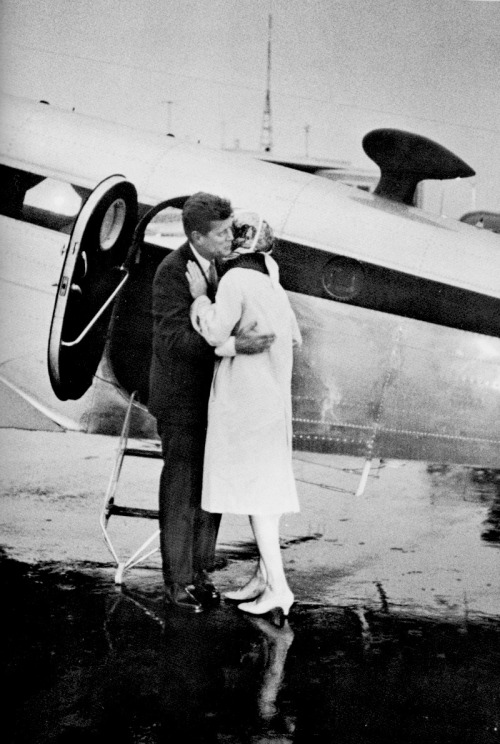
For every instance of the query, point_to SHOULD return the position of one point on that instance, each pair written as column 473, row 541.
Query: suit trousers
column 187, row 533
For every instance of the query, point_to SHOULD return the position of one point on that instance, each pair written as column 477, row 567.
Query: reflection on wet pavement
column 486, row 481
column 87, row 662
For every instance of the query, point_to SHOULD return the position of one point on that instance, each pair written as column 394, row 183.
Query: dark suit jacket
column 182, row 362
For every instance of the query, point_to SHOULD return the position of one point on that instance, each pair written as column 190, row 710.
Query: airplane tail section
column 405, row 159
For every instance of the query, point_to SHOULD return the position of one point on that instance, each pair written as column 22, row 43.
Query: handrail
column 99, row 313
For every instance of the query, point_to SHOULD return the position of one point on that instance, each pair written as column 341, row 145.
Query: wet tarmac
column 395, row 635
column 87, row 662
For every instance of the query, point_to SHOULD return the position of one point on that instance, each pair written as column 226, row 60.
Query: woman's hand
column 196, row 280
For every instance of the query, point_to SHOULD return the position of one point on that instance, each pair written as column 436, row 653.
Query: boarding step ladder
column 150, row 449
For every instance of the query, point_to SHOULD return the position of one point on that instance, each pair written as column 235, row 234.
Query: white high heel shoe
column 251, row 590
column 275, row 604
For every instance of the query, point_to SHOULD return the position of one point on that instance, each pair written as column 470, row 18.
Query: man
column 181, row 376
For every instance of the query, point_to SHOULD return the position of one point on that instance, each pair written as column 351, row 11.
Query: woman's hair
column 251, row 234
column 201, row 209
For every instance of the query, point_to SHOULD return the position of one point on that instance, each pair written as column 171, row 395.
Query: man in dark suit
column 180, row 380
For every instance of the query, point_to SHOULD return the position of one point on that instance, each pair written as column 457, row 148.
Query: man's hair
column 201, row 209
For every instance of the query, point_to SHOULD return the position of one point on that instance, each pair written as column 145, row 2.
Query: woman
column 248, row 453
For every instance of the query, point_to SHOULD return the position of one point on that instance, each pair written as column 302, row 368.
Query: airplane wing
column 19, row 410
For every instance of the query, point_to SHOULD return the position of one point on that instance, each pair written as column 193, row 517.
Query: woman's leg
column 254, row 586
column 266, row 531
column 276, row 597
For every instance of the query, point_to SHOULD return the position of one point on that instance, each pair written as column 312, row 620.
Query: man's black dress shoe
column 206, row 594
column 204, row 591
column 182, row 598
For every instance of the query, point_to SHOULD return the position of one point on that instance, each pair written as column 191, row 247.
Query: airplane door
column 91, row 278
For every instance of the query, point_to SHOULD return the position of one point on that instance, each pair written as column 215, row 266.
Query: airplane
column 337, row 170
column 399, row 309
column 483, row 219
column 305, row 164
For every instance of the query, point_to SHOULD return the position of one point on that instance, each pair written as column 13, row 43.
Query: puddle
column 86, row 662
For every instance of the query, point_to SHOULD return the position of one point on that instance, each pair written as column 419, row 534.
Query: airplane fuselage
column 399, row 309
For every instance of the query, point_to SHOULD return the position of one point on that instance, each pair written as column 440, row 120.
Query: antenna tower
column 266, row 135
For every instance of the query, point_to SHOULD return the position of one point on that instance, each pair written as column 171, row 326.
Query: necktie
column 212, row 275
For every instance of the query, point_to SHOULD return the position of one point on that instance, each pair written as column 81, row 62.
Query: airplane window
column 165, row 229
column 112, row 224
column 42, row 201
column 343, row 278
column 54, row 196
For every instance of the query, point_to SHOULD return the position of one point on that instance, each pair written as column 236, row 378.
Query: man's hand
column 196, row 280
column 248, row 341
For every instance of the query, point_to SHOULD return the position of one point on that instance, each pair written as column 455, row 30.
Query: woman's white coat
column 248, row 454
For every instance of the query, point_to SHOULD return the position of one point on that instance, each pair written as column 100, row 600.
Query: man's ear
column 195, row 237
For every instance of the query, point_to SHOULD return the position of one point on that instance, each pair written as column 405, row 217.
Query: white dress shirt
column 228, row 348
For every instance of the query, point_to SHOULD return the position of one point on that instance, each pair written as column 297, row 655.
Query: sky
column 339, row 68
